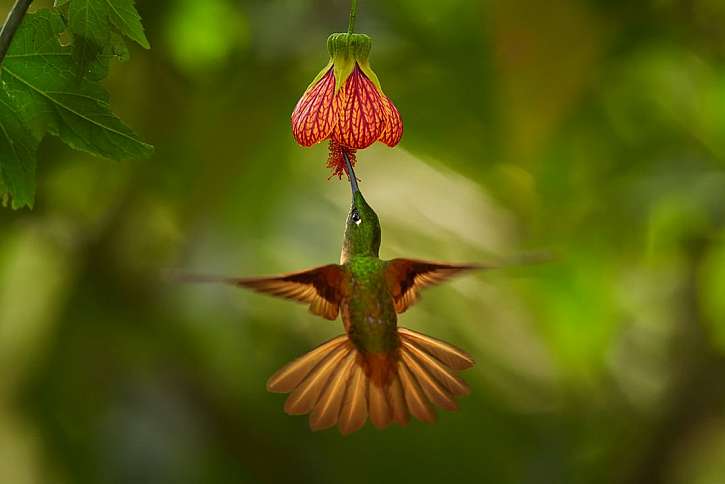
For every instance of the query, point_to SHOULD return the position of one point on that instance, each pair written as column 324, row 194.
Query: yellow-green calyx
column 347, row 50
column 346, row 45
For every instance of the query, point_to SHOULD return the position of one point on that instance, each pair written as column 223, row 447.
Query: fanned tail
column 338, row 385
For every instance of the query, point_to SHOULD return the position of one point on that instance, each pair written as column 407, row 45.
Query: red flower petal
column 361, row 113
column 316, row 112
column 393, row 130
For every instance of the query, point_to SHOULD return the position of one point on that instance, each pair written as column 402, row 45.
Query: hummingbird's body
column 367, row 310
column 375, row 369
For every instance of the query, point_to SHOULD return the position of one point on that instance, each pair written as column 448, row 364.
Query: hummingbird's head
column 362, row 231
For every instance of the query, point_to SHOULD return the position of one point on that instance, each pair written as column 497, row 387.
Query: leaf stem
column 353, row 15
column 15, row 17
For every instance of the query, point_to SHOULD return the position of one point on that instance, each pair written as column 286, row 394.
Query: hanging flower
column 346, row 104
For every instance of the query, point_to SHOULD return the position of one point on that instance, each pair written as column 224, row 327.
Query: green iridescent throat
column 362, row 231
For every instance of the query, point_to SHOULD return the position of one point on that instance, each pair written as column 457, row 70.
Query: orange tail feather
column 338, row 385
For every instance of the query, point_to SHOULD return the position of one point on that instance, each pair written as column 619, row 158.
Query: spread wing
column 406, row 277
column 320, row 287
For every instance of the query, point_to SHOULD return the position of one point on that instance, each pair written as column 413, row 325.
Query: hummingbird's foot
column 336, row 159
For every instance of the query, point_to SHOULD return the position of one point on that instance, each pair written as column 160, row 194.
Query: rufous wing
column 406, row 277
column 320, row 287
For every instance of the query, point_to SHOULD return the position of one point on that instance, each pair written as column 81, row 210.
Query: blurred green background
column 593, row 129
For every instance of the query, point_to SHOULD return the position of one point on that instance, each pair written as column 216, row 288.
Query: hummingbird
column 376, row 369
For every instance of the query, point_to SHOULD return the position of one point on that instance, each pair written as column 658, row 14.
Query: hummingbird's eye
column 355, row 217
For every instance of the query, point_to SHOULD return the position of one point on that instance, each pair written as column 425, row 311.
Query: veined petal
column 361, row 113
column 316, row 112
column 393, row 130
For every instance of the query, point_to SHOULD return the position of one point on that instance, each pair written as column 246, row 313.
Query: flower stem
column 353, row 15
column 11, row 25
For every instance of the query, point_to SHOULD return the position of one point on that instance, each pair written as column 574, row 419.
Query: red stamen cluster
column 336, row 160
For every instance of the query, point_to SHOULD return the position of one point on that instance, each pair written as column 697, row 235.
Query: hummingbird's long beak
column 350, row 173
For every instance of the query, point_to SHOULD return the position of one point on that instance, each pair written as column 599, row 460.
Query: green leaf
column 93, row 61
column 40, row 75
column 93, row 19
column 18, row 148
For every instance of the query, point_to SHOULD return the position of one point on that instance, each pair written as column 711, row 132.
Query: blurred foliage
column 593, row 129
column 49, row 85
